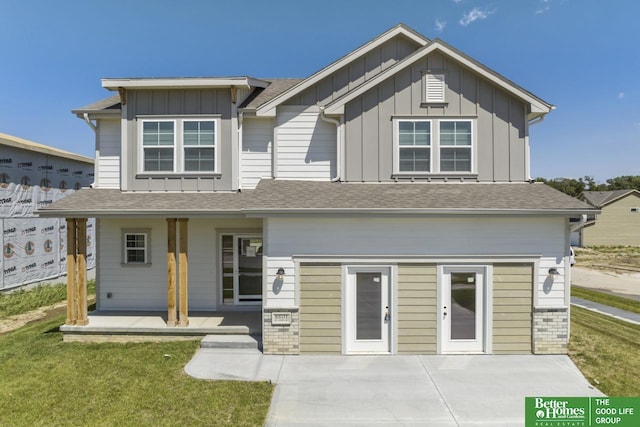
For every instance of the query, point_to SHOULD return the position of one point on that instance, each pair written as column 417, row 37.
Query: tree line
column 575, row 187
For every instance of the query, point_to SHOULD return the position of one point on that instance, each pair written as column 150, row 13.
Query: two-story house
column 382, row 205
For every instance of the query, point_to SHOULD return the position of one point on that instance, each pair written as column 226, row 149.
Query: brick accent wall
column 280, row 339
column 550, row 330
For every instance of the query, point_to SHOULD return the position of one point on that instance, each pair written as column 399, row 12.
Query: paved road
column 626, row 285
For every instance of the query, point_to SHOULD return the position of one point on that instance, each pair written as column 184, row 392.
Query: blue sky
column 581, row 55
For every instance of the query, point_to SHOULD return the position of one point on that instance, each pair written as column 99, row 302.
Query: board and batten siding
column 257, row 142
column 417, row 309
column 321, row 308
column 356, row 72
column 501, row 127
column 174, row 103
column 305, row 145
column 107, row 172
column 512, row 308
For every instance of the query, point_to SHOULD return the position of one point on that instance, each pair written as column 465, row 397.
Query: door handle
column 387, row 316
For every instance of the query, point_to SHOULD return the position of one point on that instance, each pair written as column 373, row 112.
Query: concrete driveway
column 626, row 285
column 483, row 390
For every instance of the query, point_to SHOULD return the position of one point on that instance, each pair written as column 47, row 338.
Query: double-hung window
column 455, row 146
column 136, row 248
column 199, row 145
column 414, row 145
column 179, row 145
column 432, row 146
column 158, row 142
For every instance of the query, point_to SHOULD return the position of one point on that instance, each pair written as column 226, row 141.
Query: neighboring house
column 32, row 176
column 382, row 205
column 619, row 220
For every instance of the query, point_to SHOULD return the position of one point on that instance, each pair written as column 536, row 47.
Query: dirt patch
column 12, row 323
column 608, row 257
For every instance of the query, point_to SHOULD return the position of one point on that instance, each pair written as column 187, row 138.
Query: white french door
column 367, row 319
column 462, row 310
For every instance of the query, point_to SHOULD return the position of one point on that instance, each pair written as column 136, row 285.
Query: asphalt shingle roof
column 603, row 198
column 272, row 196
column 275, row 88
column 110, row 103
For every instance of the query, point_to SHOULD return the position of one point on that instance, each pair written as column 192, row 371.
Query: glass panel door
column 367, row 316
column 241, row 269
column 249, row 269
column 462, row 310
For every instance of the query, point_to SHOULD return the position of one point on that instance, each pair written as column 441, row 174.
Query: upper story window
column 183, row 145
column 434, row 88
column 433, row 146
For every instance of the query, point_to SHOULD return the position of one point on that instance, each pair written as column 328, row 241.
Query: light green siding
column 320, row 308
column 512, row 306
column 616, row 225
column 417, row 289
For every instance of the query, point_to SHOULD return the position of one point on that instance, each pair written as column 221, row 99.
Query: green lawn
column 44, row 381
column 606, row 299
column 607, row 351
column 21, row 301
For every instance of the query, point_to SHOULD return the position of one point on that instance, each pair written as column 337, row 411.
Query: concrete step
column 229, row 341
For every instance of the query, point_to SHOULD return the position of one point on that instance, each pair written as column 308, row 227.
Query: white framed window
column 433, row 146
column 179, row 145
column 455, row 145
column 414, row 145
column 136, row 247
column 433, row 88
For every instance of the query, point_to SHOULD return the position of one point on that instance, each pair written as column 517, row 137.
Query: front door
column 367, row 312
column 462, row 326
column 242, row 269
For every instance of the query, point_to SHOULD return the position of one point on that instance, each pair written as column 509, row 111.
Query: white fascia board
column 182, row 82
column 268, row 109
column 337, row 106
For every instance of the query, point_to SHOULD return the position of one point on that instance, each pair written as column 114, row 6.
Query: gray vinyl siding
column 108, row 154
column 356, row 72
column 417, row 310
column 500, row 122
column 178, row 102
column 512, row 308
column 320, row 308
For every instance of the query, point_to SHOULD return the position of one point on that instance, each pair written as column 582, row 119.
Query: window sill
column 191, row 175
column 135, row 264
column 435, row 176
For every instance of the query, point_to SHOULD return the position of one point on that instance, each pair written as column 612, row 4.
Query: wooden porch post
column 71, row 272
column 171, row 272
column 81, row 284
column 184, row 272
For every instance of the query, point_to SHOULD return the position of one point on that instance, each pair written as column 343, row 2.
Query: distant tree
column 627, row 182
column 575, row 187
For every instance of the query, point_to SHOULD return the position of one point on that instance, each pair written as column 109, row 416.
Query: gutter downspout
column 535, row 121
column 580, row 224
column 338, row 143
column 240, row 118
column 88, row 121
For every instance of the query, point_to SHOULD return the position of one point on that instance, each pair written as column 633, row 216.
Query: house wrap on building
column 382, row 205
column 33, row 176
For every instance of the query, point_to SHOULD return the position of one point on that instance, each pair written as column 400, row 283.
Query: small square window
column 136, row 247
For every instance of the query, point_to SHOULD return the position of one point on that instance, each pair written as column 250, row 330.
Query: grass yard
column 21, row 301
column 608, row 255
column 607, row 351
column 44, row 381
column 606, row 299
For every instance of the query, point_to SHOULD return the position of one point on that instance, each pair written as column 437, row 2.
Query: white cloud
column 475, row 14
column 440, row 24
column 620, row 95
column 545, row 8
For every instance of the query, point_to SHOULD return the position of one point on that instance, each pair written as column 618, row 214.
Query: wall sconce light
column 553, row 271
column 280, row 273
